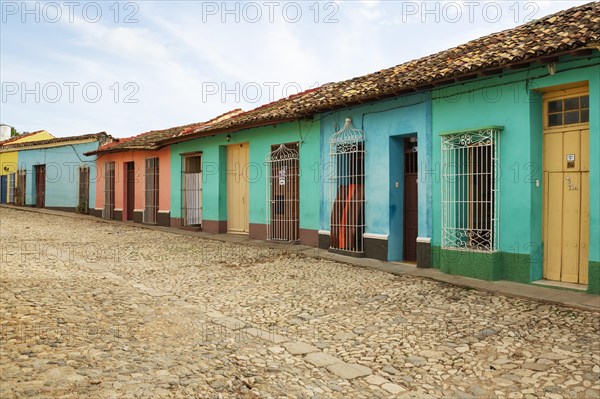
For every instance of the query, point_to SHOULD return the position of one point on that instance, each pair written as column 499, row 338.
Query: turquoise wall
column 62, row 173
column 214, row 193
column 386, row 124
column 510, row 100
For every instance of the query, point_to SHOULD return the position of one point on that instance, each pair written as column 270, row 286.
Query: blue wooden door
column 3, row 189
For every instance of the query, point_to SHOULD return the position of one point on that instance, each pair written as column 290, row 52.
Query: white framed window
column 12, row 181
column 470, row 161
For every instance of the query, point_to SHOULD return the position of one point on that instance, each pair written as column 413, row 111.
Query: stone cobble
column 90, row 309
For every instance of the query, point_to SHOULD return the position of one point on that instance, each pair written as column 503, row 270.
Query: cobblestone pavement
column 90, row 309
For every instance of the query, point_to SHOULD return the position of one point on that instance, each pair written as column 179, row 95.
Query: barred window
column 347, row 195
column 470, row 189
column 109, row 191
column 151, row 194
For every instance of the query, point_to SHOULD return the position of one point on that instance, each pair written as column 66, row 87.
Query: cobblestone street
column 90, row 309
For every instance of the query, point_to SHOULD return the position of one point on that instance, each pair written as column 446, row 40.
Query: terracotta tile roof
column 15, row 138
column 560, row 33
column 101, row 137
column 151, row 140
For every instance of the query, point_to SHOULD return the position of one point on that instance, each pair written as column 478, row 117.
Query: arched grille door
column 283, row 200
column 347, row 193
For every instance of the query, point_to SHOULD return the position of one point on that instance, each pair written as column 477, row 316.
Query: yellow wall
column 9, row 159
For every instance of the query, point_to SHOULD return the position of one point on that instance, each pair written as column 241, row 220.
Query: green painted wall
column 594, row 278
column 511, row 100
column 214, row 193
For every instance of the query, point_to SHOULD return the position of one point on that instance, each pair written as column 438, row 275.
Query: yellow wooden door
column 237, row 189
column 566, row 186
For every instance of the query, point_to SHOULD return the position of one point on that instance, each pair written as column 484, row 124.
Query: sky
column 128, row 67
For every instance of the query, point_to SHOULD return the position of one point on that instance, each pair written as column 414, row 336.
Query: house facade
column 262, row 181
column 8, row 163
column 376, row 200
column 56, row 174
column 133, row 185
column 520, row 172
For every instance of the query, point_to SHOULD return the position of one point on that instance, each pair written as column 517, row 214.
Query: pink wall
column 138, row 157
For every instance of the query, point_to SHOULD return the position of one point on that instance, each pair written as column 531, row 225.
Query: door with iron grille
column 40, row 186
column 151, row 194
column 109, row 191
column 191, row 186
column 411, row 203
column 283, row 199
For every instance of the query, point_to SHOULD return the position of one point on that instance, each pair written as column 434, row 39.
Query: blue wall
column 385, row 124
column 62, row 173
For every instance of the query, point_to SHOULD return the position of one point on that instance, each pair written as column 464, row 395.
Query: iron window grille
column 347, row 198
column 191, row 190
column 470, row 190
column 151, row 191
column 109, row 191
column 283, row 200
column 12, row 180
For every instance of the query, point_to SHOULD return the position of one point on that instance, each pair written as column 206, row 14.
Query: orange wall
column 138, row 157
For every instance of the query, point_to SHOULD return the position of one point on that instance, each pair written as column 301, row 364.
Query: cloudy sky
column 128, row 67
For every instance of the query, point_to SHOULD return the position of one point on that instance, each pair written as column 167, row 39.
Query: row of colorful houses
column 481, row 160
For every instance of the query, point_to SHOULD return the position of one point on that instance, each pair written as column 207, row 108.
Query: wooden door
column 237, row 189
column 84, row 189
column 566, row 211
column 40, row 185
column 3, row 189
column 411, row 200
column 129, row 190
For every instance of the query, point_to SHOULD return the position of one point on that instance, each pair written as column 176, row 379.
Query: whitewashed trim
column 325, row 232
column 424, row 240
column 376, row 236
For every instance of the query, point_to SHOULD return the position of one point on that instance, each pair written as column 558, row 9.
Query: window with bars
column 191, row 190
column 347, row 156
column 21, row 188
column 12, row 180
column 151, row 191
column 84, row 189
column 470, row 189
column 109, row 191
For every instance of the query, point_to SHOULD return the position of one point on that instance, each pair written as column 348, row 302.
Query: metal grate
column 12, row 180
column 347, row 196
column 108, row 210
column 470, row 190
column 151, row 193
column 191, row 190
column 283, row 200
column 84, row 189
column 21, row 187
